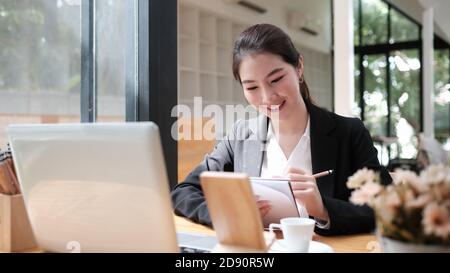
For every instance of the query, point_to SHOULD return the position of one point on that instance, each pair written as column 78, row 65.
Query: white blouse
column 276, row 163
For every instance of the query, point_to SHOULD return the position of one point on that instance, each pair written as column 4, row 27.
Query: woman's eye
column 277, row 79
column 252, row 88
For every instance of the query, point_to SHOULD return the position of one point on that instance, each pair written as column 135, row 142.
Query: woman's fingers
column 300, row 177
column 295, row 174
column 305, row 192
column 264, row 211
column 294, row 170
column 263, row 206
column 302, row 185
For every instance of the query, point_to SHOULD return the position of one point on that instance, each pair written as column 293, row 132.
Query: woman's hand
column 306, row 192
column 263, row 206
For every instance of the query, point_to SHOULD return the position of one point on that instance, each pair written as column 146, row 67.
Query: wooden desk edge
column 362, row 243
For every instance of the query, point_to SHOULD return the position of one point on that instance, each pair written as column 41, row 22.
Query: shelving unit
column 205, row 57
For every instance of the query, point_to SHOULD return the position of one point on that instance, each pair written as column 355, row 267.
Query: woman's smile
column 276, row 107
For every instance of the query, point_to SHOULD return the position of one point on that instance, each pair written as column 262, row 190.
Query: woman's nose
column 268, row 95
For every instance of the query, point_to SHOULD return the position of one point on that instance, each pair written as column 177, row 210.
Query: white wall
column 316, row 50
column 276, row 14
column 318, row 69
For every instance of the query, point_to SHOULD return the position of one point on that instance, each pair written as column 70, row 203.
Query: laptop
column 97, row 187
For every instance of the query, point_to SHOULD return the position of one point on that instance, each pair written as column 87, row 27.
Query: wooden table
column 340, row 244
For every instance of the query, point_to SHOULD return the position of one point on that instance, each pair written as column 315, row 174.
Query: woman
column 297, row 139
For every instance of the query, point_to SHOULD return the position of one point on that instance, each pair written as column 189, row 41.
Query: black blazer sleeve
column 346, row 217
column 187, row 197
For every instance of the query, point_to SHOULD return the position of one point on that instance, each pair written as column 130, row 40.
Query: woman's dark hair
column 267, row 38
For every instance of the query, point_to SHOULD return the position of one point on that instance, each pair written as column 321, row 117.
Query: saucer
column 314, row 247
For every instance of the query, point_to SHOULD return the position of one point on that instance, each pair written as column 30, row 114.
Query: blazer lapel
column 255, row 145
column 323, row 148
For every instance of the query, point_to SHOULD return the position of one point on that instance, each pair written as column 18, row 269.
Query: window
column 442, row 95
column 40, row 62
column 402, row 29
column 356, row 109
column 390, row 84
column 90, row 60
column 40, row 72
column 356, row 20
column 388, row 89
column 374, row 28
column 112, row 17
column 404, row 103
column 375, row 94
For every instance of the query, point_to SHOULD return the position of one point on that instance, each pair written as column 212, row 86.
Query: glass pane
column 356, row 21
column 40, row 62
column 111, row 36
column 375, row 102
column 375, row 95
column 356, row 109
column 442, row 96
column 402, row 29
column 405, row 100
column 374, row 22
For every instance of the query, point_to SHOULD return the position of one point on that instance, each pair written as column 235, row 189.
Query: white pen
column 322, row 174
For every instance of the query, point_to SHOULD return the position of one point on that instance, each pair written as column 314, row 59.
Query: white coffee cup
column 297, row 233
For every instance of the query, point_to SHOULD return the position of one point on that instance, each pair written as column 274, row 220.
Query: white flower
column 360, row 177
column 435, row 174
column 447, row 204
column 436, row 220
column 413, row 202
column 392, row 199
column 404, row 177
column 410, row 178
column 441, row 191
column 386, row 214
column 428, row 193
column 366, row 193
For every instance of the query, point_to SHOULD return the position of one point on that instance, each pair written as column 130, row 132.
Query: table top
column 361, row 243
column 340, row 244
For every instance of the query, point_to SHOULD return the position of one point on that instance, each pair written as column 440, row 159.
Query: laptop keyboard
column 195, row 243
column 185, row 249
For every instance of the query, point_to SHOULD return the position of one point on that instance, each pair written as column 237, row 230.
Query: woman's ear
column 300, row 67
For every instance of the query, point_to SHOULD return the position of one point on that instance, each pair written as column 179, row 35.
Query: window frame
column 148, row 95
column 88, row 101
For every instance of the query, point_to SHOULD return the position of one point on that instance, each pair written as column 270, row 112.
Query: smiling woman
column 292, row 138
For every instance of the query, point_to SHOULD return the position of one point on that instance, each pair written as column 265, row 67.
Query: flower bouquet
column 413, row 210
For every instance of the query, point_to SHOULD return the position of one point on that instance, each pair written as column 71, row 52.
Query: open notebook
column 280, row 196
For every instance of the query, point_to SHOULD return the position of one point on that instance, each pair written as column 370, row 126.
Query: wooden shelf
column 187, row 37
column 205, row 56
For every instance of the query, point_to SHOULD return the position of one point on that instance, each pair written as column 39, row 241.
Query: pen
column 322, row 174
column 317, row 175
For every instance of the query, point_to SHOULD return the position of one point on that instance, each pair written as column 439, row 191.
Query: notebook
column 280, row 196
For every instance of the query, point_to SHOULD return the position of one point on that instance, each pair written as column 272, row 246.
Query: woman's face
column 271, row 85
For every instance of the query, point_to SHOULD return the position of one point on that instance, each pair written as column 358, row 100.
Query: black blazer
column 338, row 143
